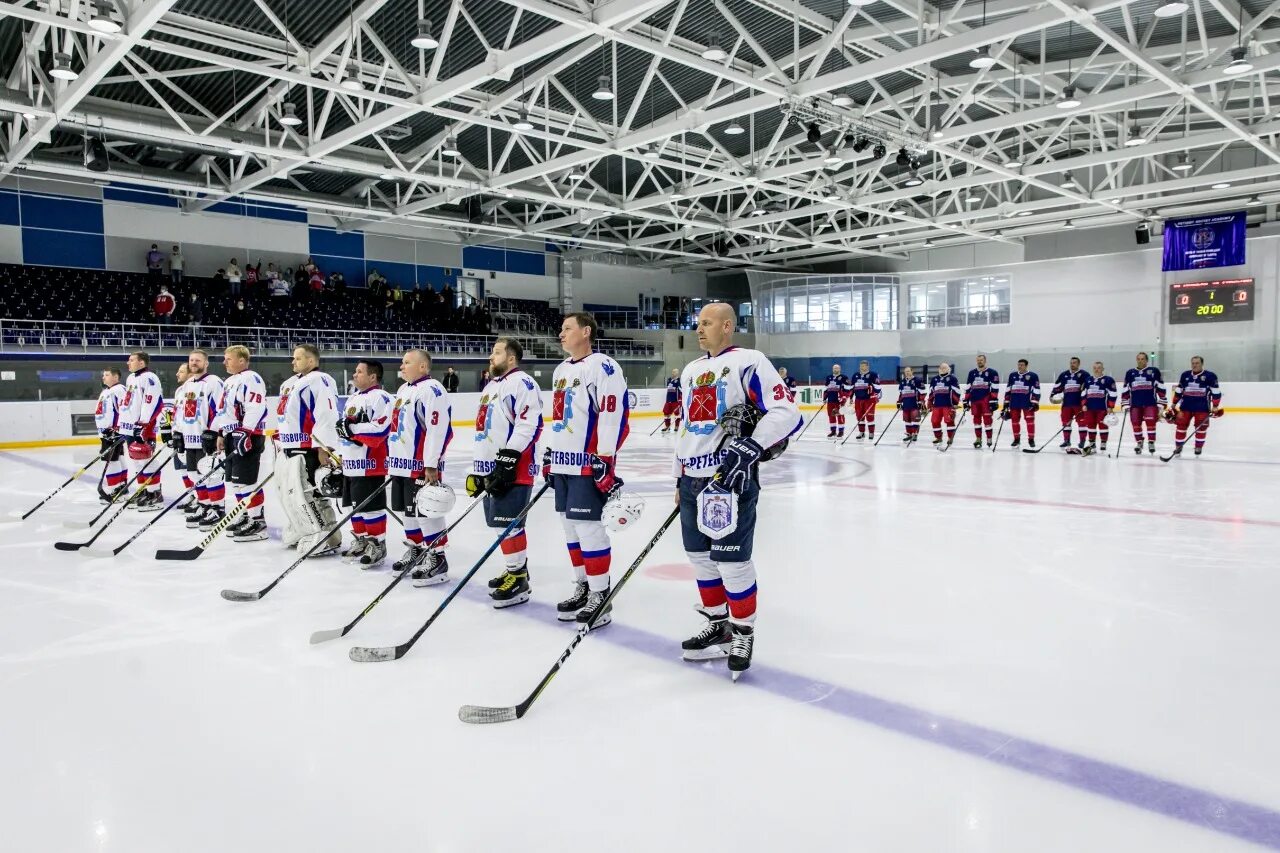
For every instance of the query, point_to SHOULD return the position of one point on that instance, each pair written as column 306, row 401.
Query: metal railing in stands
column 75, row 336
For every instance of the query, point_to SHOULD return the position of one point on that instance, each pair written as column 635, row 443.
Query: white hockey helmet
column 622, row 510
column 435, row 500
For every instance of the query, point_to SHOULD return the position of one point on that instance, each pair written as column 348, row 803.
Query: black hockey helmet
column 330, row 483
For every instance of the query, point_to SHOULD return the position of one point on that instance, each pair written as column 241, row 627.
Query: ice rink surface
column 959, row 652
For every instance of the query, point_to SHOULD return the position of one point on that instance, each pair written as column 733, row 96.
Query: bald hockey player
column 306, row 414
column 944, row 396
column 980, row 399
column 1068, row 391
column 738, row 413
column 1022, row 401
column 834, row 396
column 1099, row 403
column 1144, row 394
column 1196, row 398
column 864, row 387
column 589, row 423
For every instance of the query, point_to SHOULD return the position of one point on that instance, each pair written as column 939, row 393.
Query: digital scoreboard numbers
column 1225, row 301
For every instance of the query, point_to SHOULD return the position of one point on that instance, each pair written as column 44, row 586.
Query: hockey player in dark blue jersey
column 980, row 398
column 834, row 394
column 1069, row 391
column 1099, row 404
column 864, row 387
column 787, row 379
column 944, row 396
column 671, row 406
column 1196, row 398
column 1022, row 401
column 1144, row 395
column 911, row 402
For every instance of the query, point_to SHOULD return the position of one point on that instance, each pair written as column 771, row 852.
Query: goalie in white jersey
column 508, row 424
column 106, row 417
column 305, row 419
column 420, row 436
column 139, row 417
column 589, row 411
column 241, row 419
column 195, row 408
column 738, row 413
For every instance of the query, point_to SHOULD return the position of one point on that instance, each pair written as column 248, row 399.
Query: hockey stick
column 76, row 476
column 325, row 636
column 487, row 714
column 821, row 408
column 655, row 429
column 1047, row 443
column 366, row 654
column 137, row 493
column 77, row 524
column 216, row 531
column 999, row 430
column 955, row 429
column 236, row 595
column 885, row 431
column 1120, row 441
column 113, row 552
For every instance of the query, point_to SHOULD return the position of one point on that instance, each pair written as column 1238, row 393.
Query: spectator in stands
column 300, row 288
column 389, row 306
column 239, row 315
column 340, row 286
column 450, row 381
column 155, row 262
column 315, row 280
column 163, row 305
column 251, row 276
column 233, row 278
column 176, row 263
column 195, row 309
column 375, row 278
column 278, row 285
column 484, row 380
column 272, row 273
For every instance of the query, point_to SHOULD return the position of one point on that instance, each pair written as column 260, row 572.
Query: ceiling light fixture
column 1170, row 9
column 1184, row 164
column 604, row 91
column 1068, row 101
column 861, row 2
column 983, row 59
column 236, row 150
column 880, row 151
column 913, row 179
column 649, row 152
column 450, row 147
column 936, row 131
column 423, row 39
column 1255, row 201
column 290, row 116
column 1069, row 225
column 972, row 198
column 103, row 22
column 1023, row 213
column 522, row 122
column 386, row 176
column 832, row 158
column 1067, row 181
column 62, row 67
column 903, row 157
column 1239, row 64
column 714, row 52
column 841, row 99
column 350, row 81
column 1220, row 185
column 734, row 129
column 677, row 192
column 1135, row 137
column 861, row 144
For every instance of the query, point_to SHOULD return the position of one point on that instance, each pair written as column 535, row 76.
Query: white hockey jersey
column 420, row 428
column 107, row 414
column 243, row 405
column 369, row 412
column 143, row 398
column 589, row 412
column 308, row 402
column 713, row 384
column 510, row 417
column 195, row 407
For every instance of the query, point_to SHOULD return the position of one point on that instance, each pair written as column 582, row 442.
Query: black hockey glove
column 741, row 456
column 209, row 442
column 1005, row 414
column 135, row 436
column 240, row 442
column 504, row 473
column 343, row 429
column 546, row 463
column 177, row 442
column 108, row 435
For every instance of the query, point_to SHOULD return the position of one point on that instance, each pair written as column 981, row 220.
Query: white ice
column 959, row 652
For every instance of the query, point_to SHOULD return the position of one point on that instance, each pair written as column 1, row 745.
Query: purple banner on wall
column 1204, row 241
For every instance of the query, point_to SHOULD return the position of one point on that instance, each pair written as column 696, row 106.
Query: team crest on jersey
column 706, row 402
column 283, row 404
column 562, row 404
column 482, row 419
column 717, row 511
column 395, row 418
column 128, row 397
column 189, row 407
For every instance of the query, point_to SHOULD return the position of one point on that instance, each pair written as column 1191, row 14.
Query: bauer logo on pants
column 717, row 512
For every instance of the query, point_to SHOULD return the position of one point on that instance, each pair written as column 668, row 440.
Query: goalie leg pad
column 310, row 515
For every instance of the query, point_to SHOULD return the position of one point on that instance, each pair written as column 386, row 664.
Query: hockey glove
column 741, row 456
column 475, row 485
column 1217, row 413
column 602, row 473
column 177, row 442
column 135, row 437
column 107, row 435
column 1170, row 415
column 1005, row 414
column 209, row 442
column 343, row 428
column 966, row 405
column 898, row 405
column 504, row 473
column 1035, row 407
column 546, row 464
column 240, row 442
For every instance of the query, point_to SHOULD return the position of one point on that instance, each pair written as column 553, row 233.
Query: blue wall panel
column 8, row 208
column 326, row 241
column 135, row 194
column 63, row 249
column 816, row 369
column 484, row 258
column 62, row 214
column 526, row 263
column 352, row 269
column 436, row 277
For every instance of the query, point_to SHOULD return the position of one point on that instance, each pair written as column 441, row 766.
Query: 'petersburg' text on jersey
column 509, row 418
column 420, row 428
column 369, row 413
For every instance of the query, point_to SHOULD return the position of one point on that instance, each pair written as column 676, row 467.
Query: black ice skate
column 1151, row 447
column 1031, row 442
column 1017, row 441
column 433, row 570
column 567, row 610
column 907, row 437
column 712, row 641
column 591, row 613
column 977, row 443
column 744, row 638
column 1066, row 442
column 1138, row 448
column 212, row 517
column 412, row 554
column 254, row 531
column 514, row 588
column 1199, row 450
column 374, row 554
column 352, row 552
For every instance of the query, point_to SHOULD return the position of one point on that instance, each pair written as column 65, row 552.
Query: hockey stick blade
column 189, row 554
column 367, row 654
column 481, row 714
column 237, row 595
column 98, row 553
column 77, row 524
column 327, row 635
column 69, row 546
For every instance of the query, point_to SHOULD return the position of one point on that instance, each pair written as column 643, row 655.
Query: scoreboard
column 1224, row 301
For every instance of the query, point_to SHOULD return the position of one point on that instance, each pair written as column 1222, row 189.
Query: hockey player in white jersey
column 589, row 423
column 363, row 428
column 195, row 407
column 738, row 413
column 106, row 417
column 508, row 424
column 305, row 418
column 167, row 429
column 420, row 435
column 239, row 432
column 139, row 414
